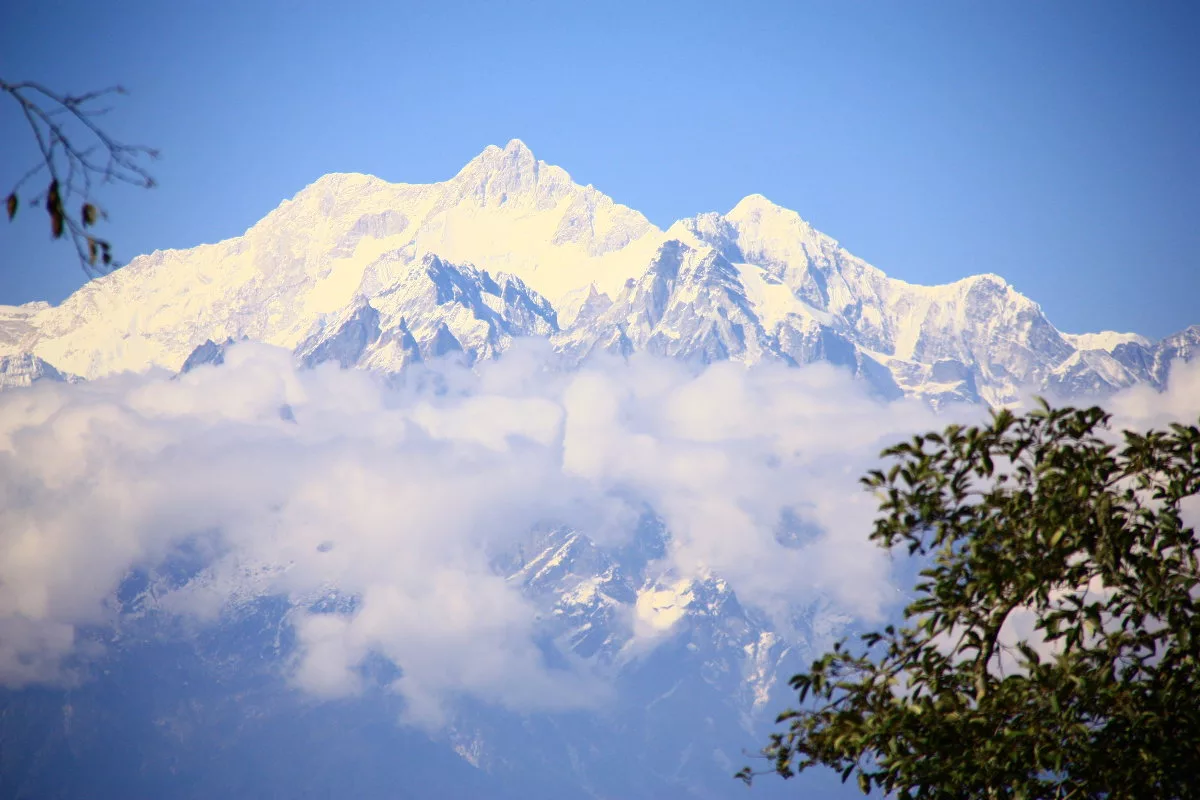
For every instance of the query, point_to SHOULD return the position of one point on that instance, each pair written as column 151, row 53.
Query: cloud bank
column 302, row 482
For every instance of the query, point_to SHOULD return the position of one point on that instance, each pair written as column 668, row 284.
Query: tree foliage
column 1051, row 648
column 74, row 154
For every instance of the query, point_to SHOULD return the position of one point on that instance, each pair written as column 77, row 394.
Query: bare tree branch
column 76, row 153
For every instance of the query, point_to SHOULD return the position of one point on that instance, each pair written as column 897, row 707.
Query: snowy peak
column 515, row 158
column 768, row 233
column 756, row 210
column 508, row 212
column 498, row 176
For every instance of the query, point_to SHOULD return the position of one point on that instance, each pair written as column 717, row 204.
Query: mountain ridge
column 774, row 288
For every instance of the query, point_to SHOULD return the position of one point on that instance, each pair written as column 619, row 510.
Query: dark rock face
column 25, row 369
column 345, row 342
column 208, row 353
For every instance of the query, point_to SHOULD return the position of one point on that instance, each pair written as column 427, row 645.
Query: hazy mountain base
column 212, row 717
column 164, row 723
column 171, row 710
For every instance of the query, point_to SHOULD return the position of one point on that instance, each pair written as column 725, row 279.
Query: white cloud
column 397, row 496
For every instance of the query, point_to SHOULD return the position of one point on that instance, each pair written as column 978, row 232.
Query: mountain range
column 366, row 274
column 378, row 275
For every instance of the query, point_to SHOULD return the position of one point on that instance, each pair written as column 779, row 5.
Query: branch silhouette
column 76, row 154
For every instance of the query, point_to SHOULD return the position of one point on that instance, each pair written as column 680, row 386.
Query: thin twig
column 73, row 168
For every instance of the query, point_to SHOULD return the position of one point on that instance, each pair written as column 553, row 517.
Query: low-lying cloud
column 302, row 482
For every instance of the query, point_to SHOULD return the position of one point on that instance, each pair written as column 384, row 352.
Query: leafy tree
column 1043, row 518
column 74, row 154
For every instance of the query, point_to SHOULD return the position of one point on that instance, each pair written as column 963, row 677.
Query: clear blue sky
column 1056, row 144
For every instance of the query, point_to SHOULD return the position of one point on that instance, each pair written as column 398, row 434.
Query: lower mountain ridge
column 175, row 712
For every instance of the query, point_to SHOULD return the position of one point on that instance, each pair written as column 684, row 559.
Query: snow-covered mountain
column 378, row 275
column 366, row 274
